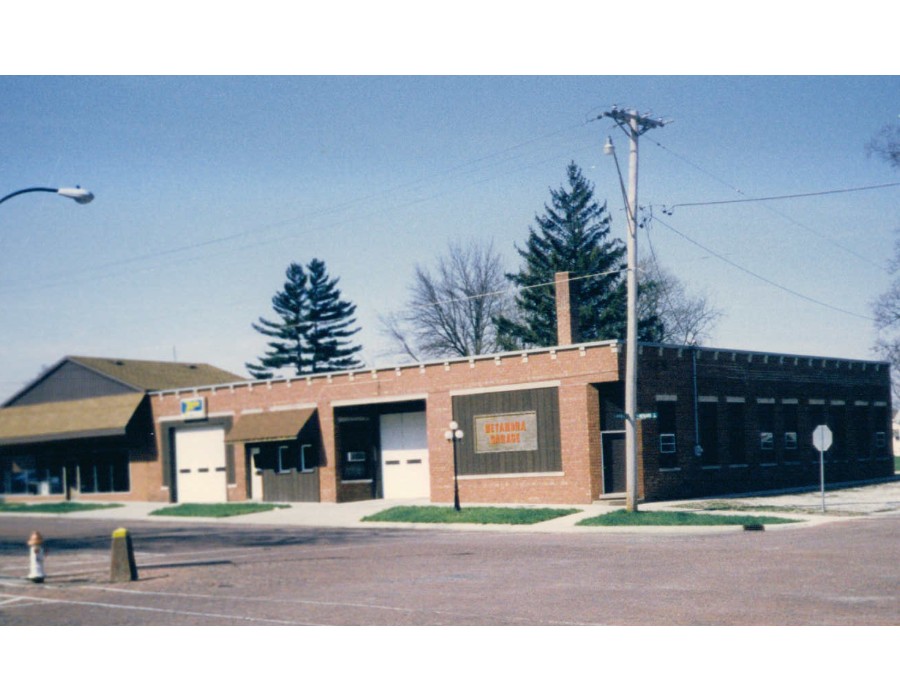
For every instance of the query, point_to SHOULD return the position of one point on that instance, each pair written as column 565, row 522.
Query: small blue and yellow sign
column 193, row 408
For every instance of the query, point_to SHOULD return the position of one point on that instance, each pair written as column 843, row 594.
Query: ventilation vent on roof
column 192, row 366
column 120, row 363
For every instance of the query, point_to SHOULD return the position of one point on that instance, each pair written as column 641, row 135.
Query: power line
column 760, row 277
column 670, row 209
column 781, row 214
column 468, row 297
column 468, row 167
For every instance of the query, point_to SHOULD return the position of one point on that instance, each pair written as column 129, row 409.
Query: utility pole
column 633, row 125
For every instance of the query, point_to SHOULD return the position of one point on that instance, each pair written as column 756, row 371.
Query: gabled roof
column 153, row 376
column 103, row 376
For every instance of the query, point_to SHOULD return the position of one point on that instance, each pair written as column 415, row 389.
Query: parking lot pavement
column 875, row 498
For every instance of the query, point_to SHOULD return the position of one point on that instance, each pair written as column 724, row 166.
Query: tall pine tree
column 313, row 328
column 572, row 235
column 330, row 320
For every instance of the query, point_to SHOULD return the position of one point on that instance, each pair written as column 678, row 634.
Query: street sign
column 822, row 441
column 822, row 438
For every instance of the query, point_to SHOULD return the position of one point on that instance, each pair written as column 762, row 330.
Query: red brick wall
column 573, row 368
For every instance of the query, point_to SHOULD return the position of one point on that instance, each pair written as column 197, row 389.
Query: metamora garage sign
column 506, row 432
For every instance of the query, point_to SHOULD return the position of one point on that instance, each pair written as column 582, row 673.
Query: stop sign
column 822, row 438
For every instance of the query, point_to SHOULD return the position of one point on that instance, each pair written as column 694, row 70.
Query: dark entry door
column 613, row 462
column 358, row 447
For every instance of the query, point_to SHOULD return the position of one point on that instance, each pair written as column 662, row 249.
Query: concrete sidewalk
column 841, row 503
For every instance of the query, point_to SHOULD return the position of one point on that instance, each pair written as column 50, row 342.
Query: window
column 283, row 464
column 667, row 443
column 667, row 432
column 862, row 432
column 839, row 422
column 880, row 440
column 790, row 441
column 355, row 466
column 766, row 413
column 708, row 412
column 21, row 475
column 307, row 461
column 737, row 434
column 791, row 420
column 104, row 471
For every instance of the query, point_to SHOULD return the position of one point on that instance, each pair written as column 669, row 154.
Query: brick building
column 84, row 427
column 540, row 426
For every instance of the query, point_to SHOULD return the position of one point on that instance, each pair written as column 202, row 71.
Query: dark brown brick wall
column 779, row 382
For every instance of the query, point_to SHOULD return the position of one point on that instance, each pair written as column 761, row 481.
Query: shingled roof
column 91, row 417
column 156, row 376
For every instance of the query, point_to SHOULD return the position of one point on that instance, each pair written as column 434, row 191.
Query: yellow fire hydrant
column 36, row 564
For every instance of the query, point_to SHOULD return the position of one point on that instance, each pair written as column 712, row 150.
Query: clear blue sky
column 208, row 187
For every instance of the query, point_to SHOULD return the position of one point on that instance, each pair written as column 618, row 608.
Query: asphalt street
column 840, row 573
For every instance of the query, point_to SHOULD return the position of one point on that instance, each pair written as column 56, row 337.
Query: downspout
column 698, row 449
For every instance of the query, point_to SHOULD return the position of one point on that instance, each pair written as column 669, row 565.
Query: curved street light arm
column 79, row 195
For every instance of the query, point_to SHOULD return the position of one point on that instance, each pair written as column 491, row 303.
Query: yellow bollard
column 122, row 566
column 36, row 558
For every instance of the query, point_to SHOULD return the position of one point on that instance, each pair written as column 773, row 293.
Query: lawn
column 217, row 511
column 622, row 517
column 469, row 515
column 53, row 507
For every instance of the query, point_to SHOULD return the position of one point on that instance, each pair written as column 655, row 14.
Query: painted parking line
column 316, row 604
column 32, row 601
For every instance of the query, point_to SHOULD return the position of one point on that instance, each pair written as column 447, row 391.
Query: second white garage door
column 404, row 456
column 200, row 464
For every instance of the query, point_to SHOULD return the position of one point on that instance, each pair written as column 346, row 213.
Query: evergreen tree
column 313, row 327
column 330, row 320
column 572, row 235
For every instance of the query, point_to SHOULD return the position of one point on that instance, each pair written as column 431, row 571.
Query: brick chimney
column 566, row 330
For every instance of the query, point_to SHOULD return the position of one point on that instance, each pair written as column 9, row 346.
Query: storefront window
column 21, row 475
column 104, row 471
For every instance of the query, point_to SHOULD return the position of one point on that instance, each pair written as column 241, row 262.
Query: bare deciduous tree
column 886, row 309
column 450, row 310
column 886, row 145
column 887, row 306
column 686, row 319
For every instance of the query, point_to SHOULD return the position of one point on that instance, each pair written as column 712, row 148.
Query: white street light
column 78, row 194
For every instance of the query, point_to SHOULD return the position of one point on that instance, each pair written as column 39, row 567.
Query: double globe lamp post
column 453, row 435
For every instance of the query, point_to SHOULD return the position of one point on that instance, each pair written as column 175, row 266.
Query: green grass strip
column 469, row 515
column 53, row 507
column 622, row 517
column 217, row 511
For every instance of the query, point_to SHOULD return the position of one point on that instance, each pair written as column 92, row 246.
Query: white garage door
column 404, row 456
column 200, row 464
